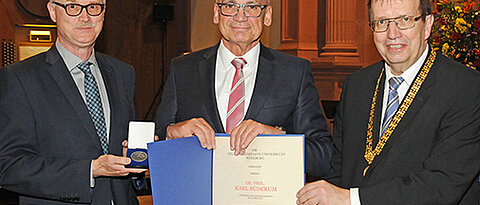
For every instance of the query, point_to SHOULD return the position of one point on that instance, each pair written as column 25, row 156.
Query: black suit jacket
column 433, row 155
column 284, row 95
column 47, row 139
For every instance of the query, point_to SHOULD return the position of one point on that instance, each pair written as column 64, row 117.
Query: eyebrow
column 249, row 2
column 76, row 2
column 384, row 17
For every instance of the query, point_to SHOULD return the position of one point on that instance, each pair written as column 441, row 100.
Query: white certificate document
column 270, row 172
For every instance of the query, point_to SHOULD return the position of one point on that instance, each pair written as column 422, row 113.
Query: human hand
column 110, row 165
column 242, row 135
column 195, row 126
column 323, row 193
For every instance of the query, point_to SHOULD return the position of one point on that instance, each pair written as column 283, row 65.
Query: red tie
column 236, row 101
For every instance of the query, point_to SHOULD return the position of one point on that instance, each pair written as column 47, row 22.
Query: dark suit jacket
column 433, row 155
column 284, row 95
column 47, row 139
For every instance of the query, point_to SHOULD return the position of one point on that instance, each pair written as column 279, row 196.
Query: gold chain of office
column 371, row 154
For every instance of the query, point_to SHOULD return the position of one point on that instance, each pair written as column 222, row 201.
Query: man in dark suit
column 243, row 88
column 64, row 115
column 406, row 129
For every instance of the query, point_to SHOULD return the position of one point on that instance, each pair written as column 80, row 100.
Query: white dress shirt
column 224, row 73
column 408, row 77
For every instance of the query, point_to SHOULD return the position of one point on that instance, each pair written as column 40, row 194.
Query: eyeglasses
column 76, row 9
column 402, row 22
column 250, row 10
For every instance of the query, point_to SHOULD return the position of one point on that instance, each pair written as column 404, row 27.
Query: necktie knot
column 395, row 82
column 238, row 63
column 84, row 66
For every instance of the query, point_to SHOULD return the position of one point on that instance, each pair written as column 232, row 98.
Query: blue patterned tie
column 393, row 103
column 94, row 104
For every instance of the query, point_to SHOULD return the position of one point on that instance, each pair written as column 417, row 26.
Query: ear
column 51, row 11
column 216, row 14
column 428, row 25
column 267, row 19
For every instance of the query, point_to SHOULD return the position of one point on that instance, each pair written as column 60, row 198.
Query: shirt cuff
column 92, row 180
column 354, row 197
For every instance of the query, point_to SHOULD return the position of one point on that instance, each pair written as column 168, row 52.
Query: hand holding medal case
column 139, row 134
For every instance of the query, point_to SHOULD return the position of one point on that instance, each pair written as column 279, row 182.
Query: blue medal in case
column 139, row 134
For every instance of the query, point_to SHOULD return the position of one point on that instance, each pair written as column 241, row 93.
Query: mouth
column 395, row 46
column 240, row 28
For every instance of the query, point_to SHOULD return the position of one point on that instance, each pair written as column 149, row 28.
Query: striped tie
column 94, row 104
column 236, row 101
column 393, row 103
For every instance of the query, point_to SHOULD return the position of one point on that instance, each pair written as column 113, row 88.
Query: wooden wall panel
column 332, row 34
column 11, row 14
column 133, row 35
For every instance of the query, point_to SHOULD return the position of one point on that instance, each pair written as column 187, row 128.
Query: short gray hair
column 51, row 1
column 268, row 1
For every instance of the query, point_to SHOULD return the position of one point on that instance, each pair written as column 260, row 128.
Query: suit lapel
column 206, row 72
column 65, row 82
column 378, row 108
column 263, row 83
column 109, row 79
column 422, row 95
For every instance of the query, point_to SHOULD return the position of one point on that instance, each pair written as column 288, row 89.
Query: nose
column 240, row 15
column 393, row 32
column 84, row 15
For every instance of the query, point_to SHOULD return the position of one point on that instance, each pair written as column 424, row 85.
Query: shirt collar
column 226, row 56
column 410, row 74
column 70, row 59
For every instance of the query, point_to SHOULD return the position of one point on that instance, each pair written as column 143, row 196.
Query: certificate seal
column 139, row 156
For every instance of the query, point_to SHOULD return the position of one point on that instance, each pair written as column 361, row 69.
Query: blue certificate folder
column 181, row 171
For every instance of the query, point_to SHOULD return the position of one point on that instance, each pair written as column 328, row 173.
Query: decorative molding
column 340, row 48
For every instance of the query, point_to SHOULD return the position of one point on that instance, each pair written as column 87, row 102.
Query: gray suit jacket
column 284, row 95
column 433, row 155
column 47, row 139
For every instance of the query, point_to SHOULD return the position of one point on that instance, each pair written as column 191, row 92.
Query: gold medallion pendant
column 370, row 154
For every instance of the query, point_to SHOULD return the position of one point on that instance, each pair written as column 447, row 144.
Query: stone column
column 340, row 49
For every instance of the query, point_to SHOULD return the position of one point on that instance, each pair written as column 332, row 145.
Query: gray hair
column 268, row 2
column 51, row 1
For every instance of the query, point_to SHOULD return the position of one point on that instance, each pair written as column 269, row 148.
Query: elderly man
column 243, row 88
column 64, row 114
column 407, row 128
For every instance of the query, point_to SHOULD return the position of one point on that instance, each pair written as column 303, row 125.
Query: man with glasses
column 64, row 115
column 407, row 128
column 243, row 88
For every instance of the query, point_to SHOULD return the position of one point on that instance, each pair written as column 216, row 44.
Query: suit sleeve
column 452, row 165
column 22, row 169
column 167, row 110
column 308, row 118
column 333, row 175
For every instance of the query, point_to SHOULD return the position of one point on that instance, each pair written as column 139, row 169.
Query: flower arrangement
column 456, row 31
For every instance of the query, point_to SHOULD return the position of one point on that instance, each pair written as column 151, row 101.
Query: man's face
column 401, row 48
column 76, row 32
column 240, row 29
